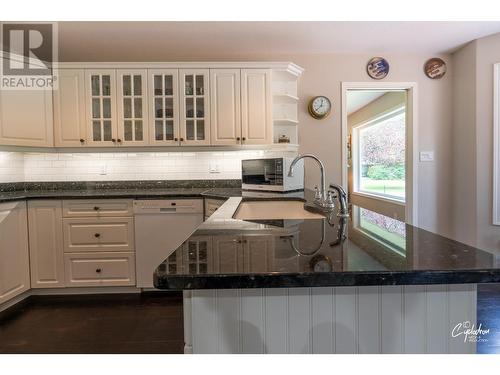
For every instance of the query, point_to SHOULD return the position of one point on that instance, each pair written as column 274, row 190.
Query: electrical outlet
column 103, row 169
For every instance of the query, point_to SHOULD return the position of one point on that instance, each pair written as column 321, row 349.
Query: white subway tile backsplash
column 31, row 166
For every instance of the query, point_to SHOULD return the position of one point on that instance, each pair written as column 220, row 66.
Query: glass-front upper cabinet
column 132, row 107
column 100, row 90
column 164, row 106
column 195, row 107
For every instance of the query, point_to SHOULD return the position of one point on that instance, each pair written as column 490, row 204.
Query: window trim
column 355, row 155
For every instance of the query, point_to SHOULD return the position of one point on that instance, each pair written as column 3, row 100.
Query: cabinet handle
column 96, row 208
column 173, row 204
column 82, row 141
column 98, row 270
column 97, row 235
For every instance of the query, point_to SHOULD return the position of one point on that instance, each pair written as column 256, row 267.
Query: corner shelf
column 285, row 107
column 285, row 121
column 285, row 98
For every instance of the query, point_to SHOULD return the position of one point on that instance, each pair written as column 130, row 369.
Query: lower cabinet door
column 102, row 269
column 46, row 243
column 14, row 257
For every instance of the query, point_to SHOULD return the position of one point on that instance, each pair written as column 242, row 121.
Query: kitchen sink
column 278, row 209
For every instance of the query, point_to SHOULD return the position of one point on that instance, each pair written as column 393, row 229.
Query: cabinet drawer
column 103, row 269
column 97, row 207
column 98, row 234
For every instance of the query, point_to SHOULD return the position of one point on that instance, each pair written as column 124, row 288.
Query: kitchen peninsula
column 366, row 284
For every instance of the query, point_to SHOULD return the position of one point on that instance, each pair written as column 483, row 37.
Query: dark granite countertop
column 366, row 249
column 120, row 189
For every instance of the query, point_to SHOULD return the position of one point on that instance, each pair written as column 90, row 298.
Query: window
column 390, row 232
column 379, row 156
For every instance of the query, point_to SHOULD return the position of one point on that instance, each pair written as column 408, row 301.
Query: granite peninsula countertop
column 366, row 249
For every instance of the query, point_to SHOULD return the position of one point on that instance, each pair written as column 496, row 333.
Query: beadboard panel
column 368, row 319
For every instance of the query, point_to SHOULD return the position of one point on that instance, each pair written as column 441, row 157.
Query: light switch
column 426, row 155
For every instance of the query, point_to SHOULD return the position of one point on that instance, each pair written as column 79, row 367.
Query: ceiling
column 357, row 99
column 180, row 40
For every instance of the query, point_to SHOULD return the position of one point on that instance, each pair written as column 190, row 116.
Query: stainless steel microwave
column 271, row 174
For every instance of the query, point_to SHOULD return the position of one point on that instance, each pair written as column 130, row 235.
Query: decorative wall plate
column 435, row 68
column 377, row 68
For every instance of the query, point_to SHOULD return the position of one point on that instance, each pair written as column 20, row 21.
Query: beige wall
column 387, row 102
column 463, row 188
column 323, row 76
column 473, row 143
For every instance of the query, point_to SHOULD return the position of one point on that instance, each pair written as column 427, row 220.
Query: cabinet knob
column 96, row 208
column 97, row 235
column 237, row 138
column 173, row 204
column 182, row 139
column 119, row 140
column 82, row 140
column 243, row 139
column 98, row 270
column 176, row 139
column 113, row 140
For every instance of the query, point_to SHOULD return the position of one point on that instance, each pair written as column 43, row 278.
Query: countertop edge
column 337, row 279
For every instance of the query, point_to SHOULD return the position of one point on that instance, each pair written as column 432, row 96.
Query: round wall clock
column 377, row 68
column 435, row 68
column 319, row 107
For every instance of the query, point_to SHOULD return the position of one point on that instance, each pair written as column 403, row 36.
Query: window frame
column 356, row 170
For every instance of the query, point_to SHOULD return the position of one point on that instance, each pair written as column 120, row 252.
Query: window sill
column 380, row 198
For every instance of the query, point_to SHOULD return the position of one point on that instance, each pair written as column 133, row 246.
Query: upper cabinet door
column 100, row 88
column 26, row 118
column 195, row 107
column 132, row 108
column 164, row 106
column 225, row 108
column 256, row 107
column 69, row 109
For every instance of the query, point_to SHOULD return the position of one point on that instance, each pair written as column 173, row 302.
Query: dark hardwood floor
column 488, row 314
column 118, row 323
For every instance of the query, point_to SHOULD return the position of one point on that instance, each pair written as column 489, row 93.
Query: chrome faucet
column 342, row 195
column 323, row 199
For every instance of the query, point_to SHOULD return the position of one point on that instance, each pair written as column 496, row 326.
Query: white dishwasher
column 161, row 226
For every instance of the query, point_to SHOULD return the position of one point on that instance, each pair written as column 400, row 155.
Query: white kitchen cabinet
column 258, row 253
column 132, row 104
column 97, row 207
column 46, row 243
column 164, row 106
column 225, row 111
column 100, row 93
column 256, row 107
column 197, row 256
column 104, row 269
column 70, row 128
column 26, row 118
column 195, row 107
column 98, row 234
column 14, row 257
